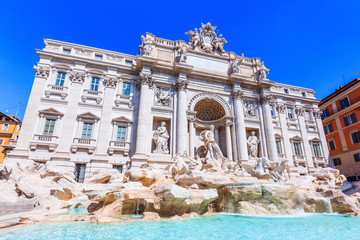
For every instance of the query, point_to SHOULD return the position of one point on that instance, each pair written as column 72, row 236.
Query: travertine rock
column 143, row 175
column 104, row 176
column 151, row 216
column 202, row 179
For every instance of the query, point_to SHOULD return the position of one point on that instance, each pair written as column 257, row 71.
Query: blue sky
column 314, row 44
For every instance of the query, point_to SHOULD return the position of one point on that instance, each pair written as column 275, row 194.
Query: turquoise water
column 212, row 227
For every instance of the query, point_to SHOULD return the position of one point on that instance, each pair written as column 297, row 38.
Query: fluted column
column 240, row 125
column 228, row 140
column 269, row 128
column 104, row 136
column 143, row 141
column 182, row 136
column 192, row 136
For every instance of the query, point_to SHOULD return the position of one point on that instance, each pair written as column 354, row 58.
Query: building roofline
column 339, row 90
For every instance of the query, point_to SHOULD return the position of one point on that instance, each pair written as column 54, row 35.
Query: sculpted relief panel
column 163, row 97
column 250, row 109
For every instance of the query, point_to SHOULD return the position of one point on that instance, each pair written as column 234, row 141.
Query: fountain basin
column 221, row 226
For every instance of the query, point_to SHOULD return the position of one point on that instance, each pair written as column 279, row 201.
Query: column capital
column 110, row 82
column 300, row 111
column 228, row 123
column 182, row 84
column 281, row 108
column 145, row 79
column 317, row 114
column 238, row 94
column 41, row 72
column 77, row 77
column 265, row 98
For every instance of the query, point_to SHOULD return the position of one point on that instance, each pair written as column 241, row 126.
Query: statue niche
column 253, row 145
column 161, row 139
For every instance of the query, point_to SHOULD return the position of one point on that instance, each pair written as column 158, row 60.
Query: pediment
column 62, row 66
column 315, row 139
column 122, row 119
column 88, row 115
column 296, row 138
column 51, row 111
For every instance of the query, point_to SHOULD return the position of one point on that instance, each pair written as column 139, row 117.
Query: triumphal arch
column 91, row 108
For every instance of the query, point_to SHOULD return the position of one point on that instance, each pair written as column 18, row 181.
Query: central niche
column 209, row 110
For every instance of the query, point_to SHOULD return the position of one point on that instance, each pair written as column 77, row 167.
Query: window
column 19, row 127
column 303, row 94
column 5, row 127
column 316, row 149
column 350, row 119
column 357, row 157
column 278, row 146
column 79, row 172
column 17, row 137
column 1, row 141
column 60, row 79
column 118, row 167
column 127, row 62
column 66, row 51
column 121, row 134
column 297, row 148
column 344, row 103
column 325, row 113
column 337, row 161
column 87, row 129
column 356, row 137
column 95, row 84
column 332, row 145
column 286, row 91
column 49, row 127
column 290, row 113
column 328, row 129
column 126, row 88
column 272, row 111
column 99, row 57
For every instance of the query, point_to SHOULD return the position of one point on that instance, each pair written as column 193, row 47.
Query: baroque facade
column 91, row 108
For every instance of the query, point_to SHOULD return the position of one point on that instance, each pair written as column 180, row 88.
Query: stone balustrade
column 119, row 146
column 93, row 95
column 83, row 143
column 56, row 90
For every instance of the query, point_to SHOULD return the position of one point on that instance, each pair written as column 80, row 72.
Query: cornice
column 343, row 111
column 74, row 58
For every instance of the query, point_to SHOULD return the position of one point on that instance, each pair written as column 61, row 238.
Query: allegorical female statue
column 253, row 143
column 161, row 139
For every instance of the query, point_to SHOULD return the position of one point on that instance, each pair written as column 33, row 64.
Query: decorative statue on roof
column 182, row 53
column 207, row 40
column 263, row 71
column 146, row 44
column 194, row 38
column 219, row 44
column 235, row 66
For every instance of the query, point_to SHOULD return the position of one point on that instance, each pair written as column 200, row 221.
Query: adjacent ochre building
column 9, row 132
column 341, row 115
column 91, row 108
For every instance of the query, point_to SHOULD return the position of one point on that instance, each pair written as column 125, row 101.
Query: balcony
column 117, row 146
column 319, row 161
column 83, row 143
column 56, row 90
column 51, row 142
column 299, row 160
column 93, row 95
column 124, row 99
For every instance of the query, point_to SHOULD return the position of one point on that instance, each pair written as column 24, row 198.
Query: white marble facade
column 104, row 109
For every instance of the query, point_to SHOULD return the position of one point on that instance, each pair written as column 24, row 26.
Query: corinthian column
column 240, row 125
column 228, row 140
column 143, row 141
column 182, row 136
column 269, row 128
